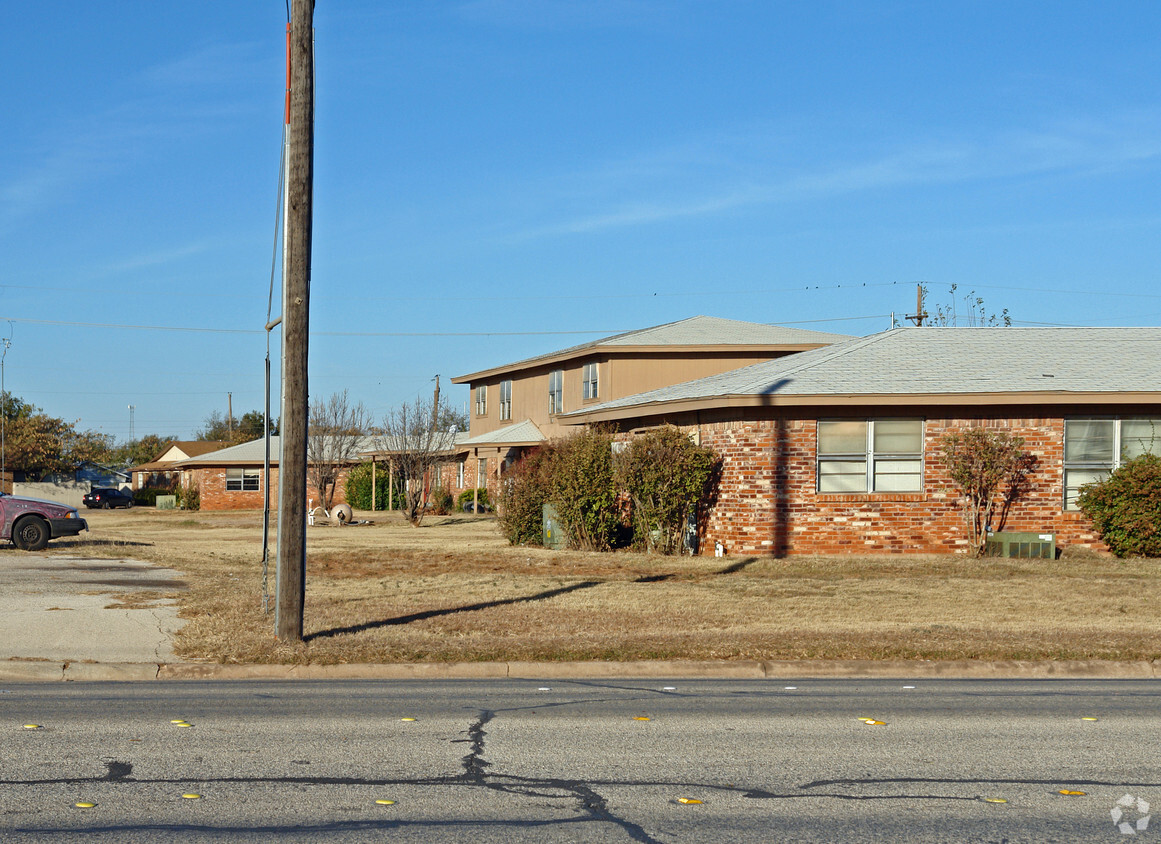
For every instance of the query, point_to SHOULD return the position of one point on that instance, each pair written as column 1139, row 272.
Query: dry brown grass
column 453, row 590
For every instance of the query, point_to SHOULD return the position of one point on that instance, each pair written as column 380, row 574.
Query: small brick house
column 162, row 472
column 232, row 478
column 837, row 449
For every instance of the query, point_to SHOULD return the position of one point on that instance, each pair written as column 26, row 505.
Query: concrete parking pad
column 66, row 609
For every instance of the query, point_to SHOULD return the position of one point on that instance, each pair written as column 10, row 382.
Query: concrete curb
column 19, row 671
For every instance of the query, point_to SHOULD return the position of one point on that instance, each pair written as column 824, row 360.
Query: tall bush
column 526, row 488
column 584, row 490
column 989, row 469
column 666, row 476
column 358, row 489
column 1126, row 507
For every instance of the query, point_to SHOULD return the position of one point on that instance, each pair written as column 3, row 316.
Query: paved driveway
column 74, row 609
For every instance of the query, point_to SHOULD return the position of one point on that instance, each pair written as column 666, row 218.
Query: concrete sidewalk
column 74, row 609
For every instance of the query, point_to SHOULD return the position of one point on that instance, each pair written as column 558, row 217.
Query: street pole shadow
column 426, row 614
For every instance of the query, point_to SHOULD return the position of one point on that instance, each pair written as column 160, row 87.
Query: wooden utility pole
column 919, row 314
column 295, row 328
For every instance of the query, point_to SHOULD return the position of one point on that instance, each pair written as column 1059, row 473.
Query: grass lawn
column 453, row 590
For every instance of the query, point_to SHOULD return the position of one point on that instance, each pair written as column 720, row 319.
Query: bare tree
column 336, row 432
column 416, row 448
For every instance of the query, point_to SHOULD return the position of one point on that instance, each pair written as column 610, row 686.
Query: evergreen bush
column 584, row 490
column 1126, row 507
column 526, row 488
column 666, row 476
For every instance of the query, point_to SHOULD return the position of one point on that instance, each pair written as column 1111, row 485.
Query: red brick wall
column 214, row 495
column 768, row 504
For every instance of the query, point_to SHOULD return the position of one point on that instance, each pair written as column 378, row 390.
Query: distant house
column 162, row 472
column 837, row 449
column 517, row 406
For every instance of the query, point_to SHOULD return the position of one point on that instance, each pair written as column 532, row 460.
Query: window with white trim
column 589, row 380
column 505, row 400
column 242, row 479
column 460, row 475
column 1095, row 447
column 873, row 455
column 482, row 400
column 556, row 391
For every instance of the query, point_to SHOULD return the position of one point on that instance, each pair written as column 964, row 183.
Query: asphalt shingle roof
column 943, row 360
column 694, row 331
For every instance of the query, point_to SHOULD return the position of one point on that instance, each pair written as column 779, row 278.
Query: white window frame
column 870, row 459
column 1078, row 472
column 243, row 479
column 590, row 380
column 505, row 400
column 482, row 400
column 460, row 475
column 555, row 392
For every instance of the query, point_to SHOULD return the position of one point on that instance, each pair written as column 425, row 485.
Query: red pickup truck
column 30, row 523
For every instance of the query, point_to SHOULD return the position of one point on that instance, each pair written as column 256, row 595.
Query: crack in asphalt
column 591, row 805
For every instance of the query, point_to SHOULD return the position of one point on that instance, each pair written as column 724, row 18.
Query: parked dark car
column 107, row 498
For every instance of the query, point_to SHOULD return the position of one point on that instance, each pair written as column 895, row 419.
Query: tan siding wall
column 617, row 377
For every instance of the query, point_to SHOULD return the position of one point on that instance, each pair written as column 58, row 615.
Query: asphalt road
column 576, row 761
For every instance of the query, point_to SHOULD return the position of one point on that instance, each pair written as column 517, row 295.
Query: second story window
column 482, row 400
column 589, row 379
column 556, row 391
column 505, row 400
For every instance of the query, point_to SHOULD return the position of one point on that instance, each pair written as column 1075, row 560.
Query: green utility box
column 1024, row 545
column 553, row 532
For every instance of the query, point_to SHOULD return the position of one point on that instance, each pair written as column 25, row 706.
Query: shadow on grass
column 421, row 616
column 738, row 566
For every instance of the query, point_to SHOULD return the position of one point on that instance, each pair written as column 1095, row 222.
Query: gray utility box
column 166, row 502
column 1025, row 545
column 553, row 533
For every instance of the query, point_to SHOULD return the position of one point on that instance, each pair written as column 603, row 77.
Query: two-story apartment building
column 519, row 405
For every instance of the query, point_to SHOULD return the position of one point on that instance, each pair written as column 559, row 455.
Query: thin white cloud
column 706, row 178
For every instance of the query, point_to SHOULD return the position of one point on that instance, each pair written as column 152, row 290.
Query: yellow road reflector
column 189, row 795
column 688, row 801
column 1068, row 793
column 408, row 719
column 871, row 722
column 640, row 717
column 1089, row 719
column 385, row 802
column 177, row 721
column 183, row 724
column 33, row 727
column 995, row 800
column 84, row 805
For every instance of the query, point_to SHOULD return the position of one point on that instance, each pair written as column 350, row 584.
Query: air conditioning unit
column 1022, row 545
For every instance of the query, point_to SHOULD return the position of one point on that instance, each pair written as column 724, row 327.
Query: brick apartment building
column 837, row 449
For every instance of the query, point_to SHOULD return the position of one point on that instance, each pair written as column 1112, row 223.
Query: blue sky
column 499, row 178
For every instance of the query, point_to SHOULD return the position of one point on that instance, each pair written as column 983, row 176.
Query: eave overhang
column 834, row 400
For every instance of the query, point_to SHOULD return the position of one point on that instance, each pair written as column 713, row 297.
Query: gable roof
column 700, row 332
column 185, row 448
column 250, row 453
column 929, row 365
